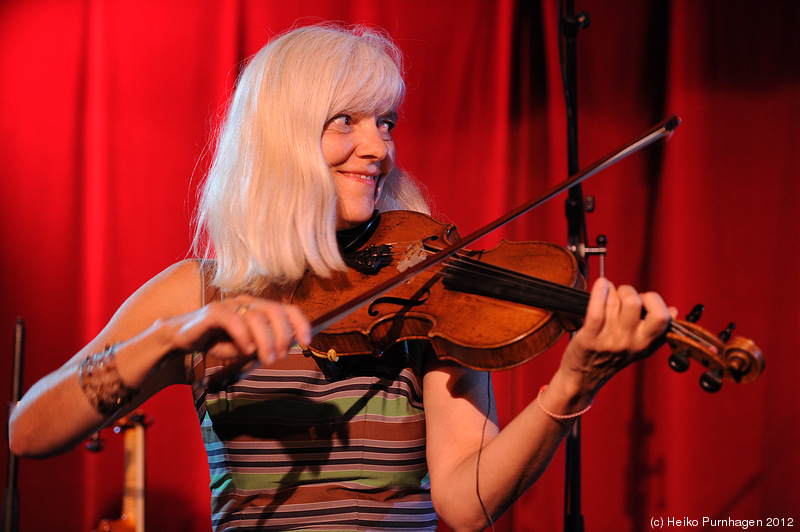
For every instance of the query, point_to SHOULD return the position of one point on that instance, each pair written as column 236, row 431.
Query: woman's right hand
column 241, row 327
column 156, row 329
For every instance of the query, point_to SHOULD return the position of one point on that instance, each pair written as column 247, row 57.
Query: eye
column 386, row 125
column 340, row 122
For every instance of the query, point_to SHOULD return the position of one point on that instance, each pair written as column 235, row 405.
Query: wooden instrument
column 517, row 299
column 488, row 310
column 133, row 428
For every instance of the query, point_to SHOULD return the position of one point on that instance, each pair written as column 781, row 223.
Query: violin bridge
column 413, row 255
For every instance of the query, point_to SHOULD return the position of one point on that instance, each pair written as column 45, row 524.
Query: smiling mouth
column 361, row 177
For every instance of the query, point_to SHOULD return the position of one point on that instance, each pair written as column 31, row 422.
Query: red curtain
column 106, row 109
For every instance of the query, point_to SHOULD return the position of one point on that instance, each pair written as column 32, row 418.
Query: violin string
column 510, row 290
column 685, row 331
column 540, row 291
column 523, row 279
column 544, row 289
column 401, row 243
column 469, row 275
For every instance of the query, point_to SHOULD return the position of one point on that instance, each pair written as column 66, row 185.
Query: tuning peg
column 696, row 313
column 679, row 360
column 726, row 334
column 711, row 381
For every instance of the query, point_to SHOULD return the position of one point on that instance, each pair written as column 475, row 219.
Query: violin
column 488, row 310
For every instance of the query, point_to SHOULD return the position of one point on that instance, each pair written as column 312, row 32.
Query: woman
column 370, row 443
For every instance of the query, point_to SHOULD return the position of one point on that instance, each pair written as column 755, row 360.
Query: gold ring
column 241, row 309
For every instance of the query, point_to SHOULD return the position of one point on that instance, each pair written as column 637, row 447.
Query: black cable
column 480, row 451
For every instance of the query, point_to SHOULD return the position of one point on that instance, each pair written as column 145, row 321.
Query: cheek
column 387, row 165
column 335, row 149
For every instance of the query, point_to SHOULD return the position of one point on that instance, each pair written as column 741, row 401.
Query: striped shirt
column 291, row 449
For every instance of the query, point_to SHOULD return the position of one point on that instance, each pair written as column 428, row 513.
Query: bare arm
column 456, row 401
column 157, row 328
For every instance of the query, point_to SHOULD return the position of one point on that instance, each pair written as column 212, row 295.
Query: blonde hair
column 267, row 210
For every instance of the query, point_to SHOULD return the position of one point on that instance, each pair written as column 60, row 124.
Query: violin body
column 487, row 310
column 478, row 331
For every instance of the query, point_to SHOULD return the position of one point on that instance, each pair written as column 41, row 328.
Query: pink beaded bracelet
column 558, row 416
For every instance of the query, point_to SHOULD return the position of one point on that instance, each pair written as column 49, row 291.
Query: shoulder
column 180, row 285
column 172, row 292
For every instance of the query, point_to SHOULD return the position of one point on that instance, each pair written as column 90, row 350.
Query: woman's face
column 360, row 153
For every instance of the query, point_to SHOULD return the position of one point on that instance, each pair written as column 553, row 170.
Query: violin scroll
column 736, row 359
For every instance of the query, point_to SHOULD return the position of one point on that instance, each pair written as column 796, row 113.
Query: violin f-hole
column 399, row 301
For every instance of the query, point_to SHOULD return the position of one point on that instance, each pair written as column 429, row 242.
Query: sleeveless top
column 307, row 444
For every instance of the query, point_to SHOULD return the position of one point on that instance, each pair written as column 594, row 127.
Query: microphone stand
column 570, row 24
column 11, row 498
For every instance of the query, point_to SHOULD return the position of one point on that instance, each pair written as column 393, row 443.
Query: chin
column 354, row 219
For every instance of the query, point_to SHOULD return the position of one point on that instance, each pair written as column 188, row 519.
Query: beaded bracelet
column 101, row 383
column 558, row 416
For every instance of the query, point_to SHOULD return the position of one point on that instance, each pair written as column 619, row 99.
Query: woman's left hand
column 614, row 334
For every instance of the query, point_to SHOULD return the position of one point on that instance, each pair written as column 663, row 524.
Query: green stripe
column 256, row 481
column 221, row 483
column 307, row 411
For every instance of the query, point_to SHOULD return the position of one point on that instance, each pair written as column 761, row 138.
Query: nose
column 370, row 142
